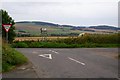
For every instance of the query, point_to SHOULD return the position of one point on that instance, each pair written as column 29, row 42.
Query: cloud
column 60, row 0
column 76, row 13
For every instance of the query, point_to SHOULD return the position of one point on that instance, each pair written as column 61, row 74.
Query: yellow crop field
column 39, row 38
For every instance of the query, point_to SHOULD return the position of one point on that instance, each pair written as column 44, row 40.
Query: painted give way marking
column 54, row 51
column 76, row 61
column 49, row 56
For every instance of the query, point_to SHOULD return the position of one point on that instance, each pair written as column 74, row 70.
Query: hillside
column 104, row 27
column 33, row 28
column 39, row 23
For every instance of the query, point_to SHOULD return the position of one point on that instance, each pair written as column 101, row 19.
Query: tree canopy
column 6, row 19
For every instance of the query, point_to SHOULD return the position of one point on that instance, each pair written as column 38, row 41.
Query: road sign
column 6, row 27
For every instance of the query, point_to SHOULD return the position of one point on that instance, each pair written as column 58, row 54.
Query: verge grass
column 11, row 58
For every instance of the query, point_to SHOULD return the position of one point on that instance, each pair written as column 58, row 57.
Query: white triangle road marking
column 49, row 56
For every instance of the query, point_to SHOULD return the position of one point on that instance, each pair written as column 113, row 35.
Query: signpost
column 7, row 28
column 43, row 33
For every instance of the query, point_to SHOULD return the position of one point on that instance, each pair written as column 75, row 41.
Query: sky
column 70, row 12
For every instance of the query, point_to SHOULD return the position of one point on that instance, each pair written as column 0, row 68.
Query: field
column 39, row 38
column 62, row 37
column 34, row 30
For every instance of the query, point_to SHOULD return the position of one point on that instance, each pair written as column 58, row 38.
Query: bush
column 6, row 19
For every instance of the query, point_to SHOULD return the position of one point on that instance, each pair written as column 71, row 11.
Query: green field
column 34, row 30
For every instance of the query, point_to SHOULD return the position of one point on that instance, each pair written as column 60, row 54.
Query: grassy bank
column 11, row 58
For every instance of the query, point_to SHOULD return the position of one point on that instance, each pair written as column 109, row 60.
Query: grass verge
column 11, row 58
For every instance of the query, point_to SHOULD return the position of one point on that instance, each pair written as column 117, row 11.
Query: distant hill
column 44, row 24
column 104, row 27
column 40, row 23
column 33, row 28
column 68, row 26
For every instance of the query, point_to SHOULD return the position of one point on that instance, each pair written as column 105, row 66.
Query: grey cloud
column 77, row 13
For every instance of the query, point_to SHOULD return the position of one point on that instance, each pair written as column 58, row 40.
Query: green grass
column 43, row 45
column 11, row 58
column 32, row 44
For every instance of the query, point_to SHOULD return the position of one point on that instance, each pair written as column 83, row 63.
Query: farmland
column 39, row 38
column 64, row 36
column 34, row 30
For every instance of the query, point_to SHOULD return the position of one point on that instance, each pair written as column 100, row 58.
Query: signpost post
column 7, row 28
column 43, row 33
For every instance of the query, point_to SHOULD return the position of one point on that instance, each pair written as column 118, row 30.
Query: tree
column 6, row 19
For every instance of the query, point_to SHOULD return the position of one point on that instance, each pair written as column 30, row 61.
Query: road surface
column 73, row 62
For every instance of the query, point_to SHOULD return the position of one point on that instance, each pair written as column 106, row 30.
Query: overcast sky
column 73, row 12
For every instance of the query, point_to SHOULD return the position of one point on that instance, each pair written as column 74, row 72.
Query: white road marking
column 54, row 51
column 76, row 61
column 49, row 56
column 50, row 50
column 34, row 52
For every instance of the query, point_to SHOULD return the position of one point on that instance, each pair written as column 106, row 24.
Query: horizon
column 68, row 24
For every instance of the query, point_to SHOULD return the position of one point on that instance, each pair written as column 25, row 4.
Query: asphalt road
column 73, row 62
